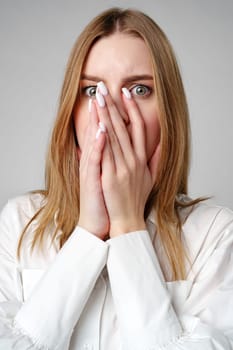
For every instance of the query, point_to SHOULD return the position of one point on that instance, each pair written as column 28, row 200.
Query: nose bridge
column 116, row 95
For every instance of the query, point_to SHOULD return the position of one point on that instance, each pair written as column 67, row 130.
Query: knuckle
column 133, row 164
column 94, row 157
column 124, row 175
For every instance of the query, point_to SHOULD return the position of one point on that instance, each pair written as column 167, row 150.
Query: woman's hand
column 127, row 179
column 93, row 214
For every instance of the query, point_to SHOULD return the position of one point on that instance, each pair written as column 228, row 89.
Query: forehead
column 119, row 53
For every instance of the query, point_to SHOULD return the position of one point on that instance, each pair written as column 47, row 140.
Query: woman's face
column 120, row 60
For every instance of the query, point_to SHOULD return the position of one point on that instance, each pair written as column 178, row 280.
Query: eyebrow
column 128, row 79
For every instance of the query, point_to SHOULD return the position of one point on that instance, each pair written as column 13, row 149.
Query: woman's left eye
column 140, row 90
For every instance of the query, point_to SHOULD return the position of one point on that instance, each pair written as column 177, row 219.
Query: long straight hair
column 62, row 177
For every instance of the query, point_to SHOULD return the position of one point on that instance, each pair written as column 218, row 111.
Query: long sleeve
column 47, row 319
column 196, row 314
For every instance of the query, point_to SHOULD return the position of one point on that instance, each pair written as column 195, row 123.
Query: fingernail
column 102, row 127
column 126, row 93
column 89, row 105
column 99, row 131
column 100, row 99
column 97, row 135
column 102, row 87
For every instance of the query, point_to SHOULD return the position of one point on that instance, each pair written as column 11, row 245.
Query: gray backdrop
column 35, row 40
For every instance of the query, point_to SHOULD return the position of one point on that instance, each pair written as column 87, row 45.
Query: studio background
column 35, row 40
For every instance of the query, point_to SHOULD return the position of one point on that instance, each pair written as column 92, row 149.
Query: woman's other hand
column 127, row 177
column 93, row 214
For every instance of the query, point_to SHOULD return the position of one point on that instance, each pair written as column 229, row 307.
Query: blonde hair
column 62, row 179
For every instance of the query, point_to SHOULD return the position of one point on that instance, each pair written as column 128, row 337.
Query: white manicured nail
column 126, row 92
column 99, row 131
column 89, row 105
column 102, row 127
column 97, row 135
column 102, row 87
column 100, row 99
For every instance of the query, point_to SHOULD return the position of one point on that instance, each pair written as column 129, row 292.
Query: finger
column 91, row 126
column 137, row 125
column 105, row 118
column 154, row 163
column 91, row 165
column 94, row 138
column 108, row 162
column 117, row 120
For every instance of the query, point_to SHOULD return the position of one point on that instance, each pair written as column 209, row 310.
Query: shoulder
column 27, row 204
column 208, row 226
column 18, row 211
column 207, row 216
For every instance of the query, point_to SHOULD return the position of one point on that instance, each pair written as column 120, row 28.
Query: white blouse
column 96, row 295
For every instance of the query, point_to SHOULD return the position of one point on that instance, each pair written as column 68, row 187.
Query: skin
column 117, row 170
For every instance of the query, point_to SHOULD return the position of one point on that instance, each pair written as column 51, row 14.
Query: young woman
column 113, row 254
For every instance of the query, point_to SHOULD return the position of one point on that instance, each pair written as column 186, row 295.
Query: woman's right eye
column 90, row 91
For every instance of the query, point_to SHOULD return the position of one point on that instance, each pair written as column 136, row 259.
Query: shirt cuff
column 146, row 315
column 57, row 301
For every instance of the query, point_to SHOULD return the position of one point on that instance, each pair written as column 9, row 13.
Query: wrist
column 93, row 229
column 120, row 228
